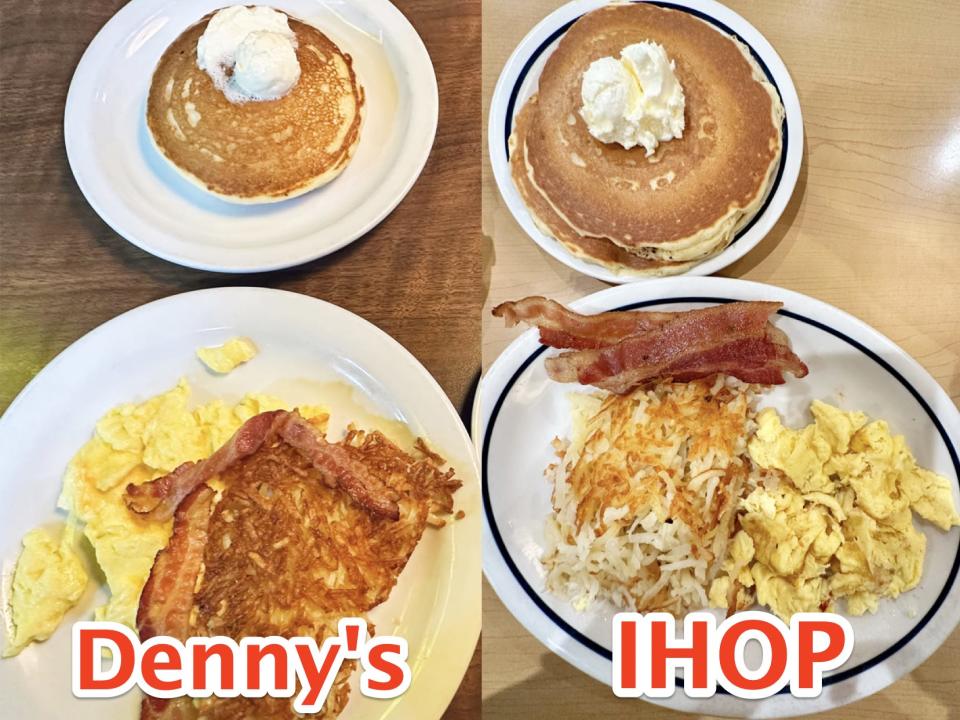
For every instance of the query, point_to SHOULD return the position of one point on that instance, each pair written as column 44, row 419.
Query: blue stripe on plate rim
column 602, row 651
column 512, row 103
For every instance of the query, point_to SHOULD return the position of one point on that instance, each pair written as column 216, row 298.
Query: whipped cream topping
column 635, row 99
column 250, row 53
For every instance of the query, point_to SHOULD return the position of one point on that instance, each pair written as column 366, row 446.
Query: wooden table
column 63, row 271
column 873, row 228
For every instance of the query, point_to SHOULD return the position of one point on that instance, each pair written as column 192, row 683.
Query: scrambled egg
column 133, row 443
column 49, row 580
column 838, row 524
column 224, row 358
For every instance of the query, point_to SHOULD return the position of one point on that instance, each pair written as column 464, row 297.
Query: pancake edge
column 707, row 242
column 295, row 191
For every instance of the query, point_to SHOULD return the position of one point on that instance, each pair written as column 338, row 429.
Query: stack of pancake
column 685, row 203
column 261, row 151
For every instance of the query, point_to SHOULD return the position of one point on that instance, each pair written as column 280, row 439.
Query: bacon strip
column 158, row 499
column 337, row 463
column 687, row 334
column 168, row 594
column 750, row 360
column 736, row 339
column 563, row 328
column 167, row 597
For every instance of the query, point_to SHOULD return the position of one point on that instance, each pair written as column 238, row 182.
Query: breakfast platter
column 524, row 412
column 653, row 379
column 227, row 222
column 311, row 355
column 712, row 241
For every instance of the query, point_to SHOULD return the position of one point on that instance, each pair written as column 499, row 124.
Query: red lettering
column 202, row 654
column 807, row 657
column 316, row 677
column 729, row 666
column 255, row 656
column 377, row 659
column 150, row 665
column 123, row 666
column 696, row 651
column 353, row 637
column 628, row 654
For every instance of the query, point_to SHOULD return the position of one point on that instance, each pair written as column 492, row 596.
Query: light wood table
column 63, row 271
column 873, row 228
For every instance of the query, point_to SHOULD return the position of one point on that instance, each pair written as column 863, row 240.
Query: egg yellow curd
column 833, row 517
column 225, row 358
column 132, row 443
column 49, row 580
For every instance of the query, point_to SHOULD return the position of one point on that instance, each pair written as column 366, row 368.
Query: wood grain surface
column 63, row 271
column 873, row 228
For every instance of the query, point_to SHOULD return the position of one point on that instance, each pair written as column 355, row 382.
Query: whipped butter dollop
column 635, row 99
column 250, row 53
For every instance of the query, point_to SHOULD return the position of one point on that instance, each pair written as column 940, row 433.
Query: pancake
column 257, row 151
column 685, row 202
column 545, row 217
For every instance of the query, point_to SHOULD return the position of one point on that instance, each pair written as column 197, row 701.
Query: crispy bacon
column 167, row 597
column 750, row 360
column 340, row 468
column 563, row 328
column 736, row 339
column 168, row 594
column 159, row 498
column 687, row 335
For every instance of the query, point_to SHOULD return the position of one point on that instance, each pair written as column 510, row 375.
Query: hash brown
column 286, row 552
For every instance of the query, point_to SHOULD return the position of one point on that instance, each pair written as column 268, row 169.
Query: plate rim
column 458, row 656
column 212, row 259
column 523, row 350
column 748, row 237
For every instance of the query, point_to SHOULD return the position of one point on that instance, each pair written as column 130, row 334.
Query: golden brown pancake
column 546, row 218
column 257, row 151
column 685, row 202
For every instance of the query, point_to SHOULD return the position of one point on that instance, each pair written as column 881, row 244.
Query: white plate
column 521, row 410
column 136, row 192
column 303, row 343
column 521, row 76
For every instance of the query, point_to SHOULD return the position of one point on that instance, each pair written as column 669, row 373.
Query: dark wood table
column 63, row 271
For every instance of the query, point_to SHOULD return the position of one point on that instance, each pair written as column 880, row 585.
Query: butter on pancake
column 662, row 214
column 259, row 151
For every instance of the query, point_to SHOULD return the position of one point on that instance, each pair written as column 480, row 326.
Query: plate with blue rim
column 521, row 410
column 520, row 78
